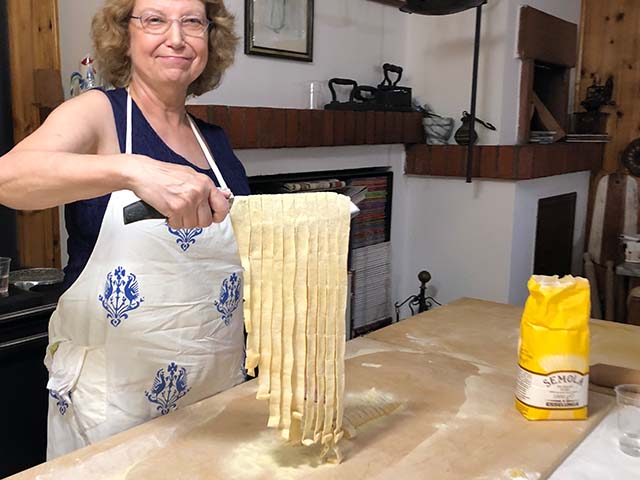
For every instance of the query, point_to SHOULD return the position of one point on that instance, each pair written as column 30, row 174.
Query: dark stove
column 24, row 321
column 21, row 299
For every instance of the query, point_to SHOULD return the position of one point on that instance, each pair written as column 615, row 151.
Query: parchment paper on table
column 294, row 251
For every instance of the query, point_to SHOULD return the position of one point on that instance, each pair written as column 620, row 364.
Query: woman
column 150, row 319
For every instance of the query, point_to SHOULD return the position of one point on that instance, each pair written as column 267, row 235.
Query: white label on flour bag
column 566, row 389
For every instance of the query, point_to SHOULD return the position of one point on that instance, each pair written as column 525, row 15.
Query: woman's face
column 175, row 56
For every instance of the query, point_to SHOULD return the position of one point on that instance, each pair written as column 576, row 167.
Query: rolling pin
column 609, row 376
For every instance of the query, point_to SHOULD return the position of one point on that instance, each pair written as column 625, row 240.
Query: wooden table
column 452, row 370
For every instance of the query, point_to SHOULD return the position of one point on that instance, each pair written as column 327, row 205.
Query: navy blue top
column 84, row 217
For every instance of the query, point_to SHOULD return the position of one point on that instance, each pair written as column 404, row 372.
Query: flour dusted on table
column 294, row 250
column 553, row 356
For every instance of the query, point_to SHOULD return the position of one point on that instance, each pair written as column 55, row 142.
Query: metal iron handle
column 390, row 67
column 341, row 81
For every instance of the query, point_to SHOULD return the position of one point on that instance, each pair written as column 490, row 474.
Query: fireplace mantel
column 262, row 127
column 506, row 162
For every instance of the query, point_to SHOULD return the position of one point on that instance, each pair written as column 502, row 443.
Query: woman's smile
column 176, row 60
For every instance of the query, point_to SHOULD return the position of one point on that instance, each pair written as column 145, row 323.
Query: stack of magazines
column 588, row 137
column 370, row 226
column 371, row 288
column 539, row 136
column 313, row 186
column 357, row 193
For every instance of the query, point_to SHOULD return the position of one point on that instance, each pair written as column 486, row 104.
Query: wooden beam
column 526, row 103
column 248, row 127
column 546, row 117
column 547, row 38
column 505, row 162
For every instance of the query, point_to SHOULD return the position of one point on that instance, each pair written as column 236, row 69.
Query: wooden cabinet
column 33, row 46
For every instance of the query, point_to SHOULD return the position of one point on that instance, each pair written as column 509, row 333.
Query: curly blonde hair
column 110, row 33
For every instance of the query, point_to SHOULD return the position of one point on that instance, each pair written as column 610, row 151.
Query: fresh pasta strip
column 266, row 282
column 344, row 222
column 311, row 329
column 323, row 259
column 244, row 230
column 253, row 304
column 288, row 315
column 275, row 395
column 301, row 302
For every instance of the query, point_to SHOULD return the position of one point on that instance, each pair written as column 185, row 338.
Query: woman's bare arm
column 72, row 156
column 75, row 155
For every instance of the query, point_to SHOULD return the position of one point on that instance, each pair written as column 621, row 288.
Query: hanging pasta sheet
column 294, row 250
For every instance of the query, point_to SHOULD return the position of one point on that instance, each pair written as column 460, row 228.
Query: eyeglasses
column 156, row 24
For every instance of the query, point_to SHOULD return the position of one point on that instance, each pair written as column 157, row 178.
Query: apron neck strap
column 203, row 146
column 128, row 149
column 207, row 153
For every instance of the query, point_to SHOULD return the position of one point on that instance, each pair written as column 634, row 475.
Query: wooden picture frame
column 279, row 28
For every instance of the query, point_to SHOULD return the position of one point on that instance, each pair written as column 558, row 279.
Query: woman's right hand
column 187, row 198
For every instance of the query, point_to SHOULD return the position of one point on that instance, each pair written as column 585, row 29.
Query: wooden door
column 33, row 46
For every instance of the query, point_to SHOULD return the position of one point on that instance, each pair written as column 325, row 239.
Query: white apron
column 153, row 322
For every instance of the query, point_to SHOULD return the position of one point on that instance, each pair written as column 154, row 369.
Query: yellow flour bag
column 553, row 354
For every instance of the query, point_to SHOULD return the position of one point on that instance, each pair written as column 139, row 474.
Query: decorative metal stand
column 420, row 300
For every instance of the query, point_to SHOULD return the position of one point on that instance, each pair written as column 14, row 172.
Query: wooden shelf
column 507, row 162
column 262, row 127
column 258, row 127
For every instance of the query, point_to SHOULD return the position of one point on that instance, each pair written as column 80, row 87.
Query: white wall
column 478, row 239
column 441, row 59
column 353, row 38
column 524, row 226
column 462, row 234
column 74, row 18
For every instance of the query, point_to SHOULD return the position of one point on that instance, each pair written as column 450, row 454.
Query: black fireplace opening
column 369, row 306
